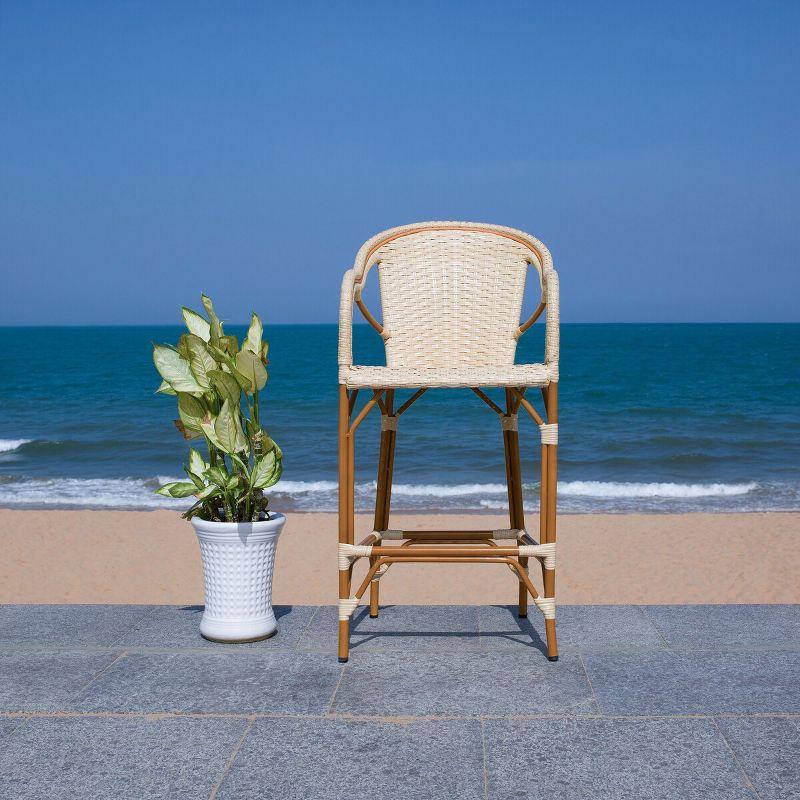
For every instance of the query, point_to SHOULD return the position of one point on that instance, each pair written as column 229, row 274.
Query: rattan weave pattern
column 451, row 294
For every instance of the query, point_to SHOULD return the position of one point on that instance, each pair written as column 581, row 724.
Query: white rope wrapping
column 507, row 533
column 547, row 605
column 509, row 423
column 549, row 433
column 347, row 606
column 544, row 551
column 388, row 423
column 379, row 573
column 348, row 553
column 392, row 534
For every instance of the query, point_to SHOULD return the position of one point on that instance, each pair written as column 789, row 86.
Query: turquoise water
column 652, row 418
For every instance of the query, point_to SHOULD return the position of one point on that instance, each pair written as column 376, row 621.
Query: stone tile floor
column 436, row 702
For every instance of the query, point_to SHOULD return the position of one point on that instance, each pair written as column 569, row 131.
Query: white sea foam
column 614, row 489
column 323, row 495
column 9, row 445
column 88, row 492
column 443, row 490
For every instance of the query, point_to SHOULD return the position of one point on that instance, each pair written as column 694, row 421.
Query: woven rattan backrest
column 451, row 292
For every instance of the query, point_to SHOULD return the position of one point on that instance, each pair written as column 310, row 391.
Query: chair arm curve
column 551, row 336
column 346, row 319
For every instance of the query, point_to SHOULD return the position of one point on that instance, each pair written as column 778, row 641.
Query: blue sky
column 152, row 150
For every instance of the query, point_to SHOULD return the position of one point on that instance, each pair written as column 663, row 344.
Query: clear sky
column 151, row 150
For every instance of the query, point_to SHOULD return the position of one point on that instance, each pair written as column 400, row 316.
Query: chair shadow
column 522, row 634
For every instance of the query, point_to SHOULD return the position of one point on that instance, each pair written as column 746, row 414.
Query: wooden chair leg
column 383, row 496
column 550, row 466
column 516, row 512
column 344, row 517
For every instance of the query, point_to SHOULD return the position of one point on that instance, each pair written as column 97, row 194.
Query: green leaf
column 197, row 464
column 197, row 481
column 192, row 412
column 183, row 346
column 254, row 334
column 210, row 491
column 165, row 388
column 249, row 364
column 228, row 429
column 222, row 356
column 266, row 472
column 217, row 475
column 215, row 326
column 227, row 386
column 196, row 324
column 175, row 370
column 233, row 482
column 242, row 380
column 207, row 426
column 200, row 360
column 177, row 489
column 229, row 344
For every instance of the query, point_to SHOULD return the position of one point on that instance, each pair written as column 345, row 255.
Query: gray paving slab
column 680, row 759
column 583, row 628
column 44, row 681
column 695, row 682
column 412, row 628
column 7, row 724
column 243, row 683
column 295, row 759
column 70, row 626
column 177, row 627
column 732, row 627
column 466, row 683
column 133, row 758
column 768, row 750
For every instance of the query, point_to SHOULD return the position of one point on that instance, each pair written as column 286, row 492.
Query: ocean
column 653, row 418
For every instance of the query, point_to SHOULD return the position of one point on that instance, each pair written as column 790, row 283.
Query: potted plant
column 217, row 384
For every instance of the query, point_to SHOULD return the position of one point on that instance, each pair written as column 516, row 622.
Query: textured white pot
column 238, row 559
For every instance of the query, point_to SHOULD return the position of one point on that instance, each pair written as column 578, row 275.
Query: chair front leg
column 549, row 492
column 345, row 521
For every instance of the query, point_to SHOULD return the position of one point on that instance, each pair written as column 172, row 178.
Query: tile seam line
column 589, row 681
column 398, row 719
column 231, row 758
column 120, row 655
column 305, row 627
column 742, row 771
column 485, row 762
column 135, row 627
column 329, row 712
column 643, row 612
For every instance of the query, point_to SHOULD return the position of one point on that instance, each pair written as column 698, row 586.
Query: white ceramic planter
column 238, row 559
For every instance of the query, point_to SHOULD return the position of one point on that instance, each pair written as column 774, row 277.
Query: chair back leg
column 383, row 494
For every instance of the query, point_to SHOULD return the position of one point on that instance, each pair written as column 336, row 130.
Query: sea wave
column 9, row 445
column 322, row 495
column 676, row 490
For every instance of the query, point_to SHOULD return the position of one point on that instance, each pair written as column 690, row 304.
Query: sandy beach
column 152, row 557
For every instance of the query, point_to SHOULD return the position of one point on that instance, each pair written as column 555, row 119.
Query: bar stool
column 451, row 295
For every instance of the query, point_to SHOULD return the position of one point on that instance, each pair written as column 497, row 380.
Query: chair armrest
column 346, row 320
column 551, row 335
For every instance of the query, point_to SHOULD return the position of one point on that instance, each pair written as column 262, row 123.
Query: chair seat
column 356, row 377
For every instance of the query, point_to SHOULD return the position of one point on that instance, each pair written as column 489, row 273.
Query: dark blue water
column 652, row 418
